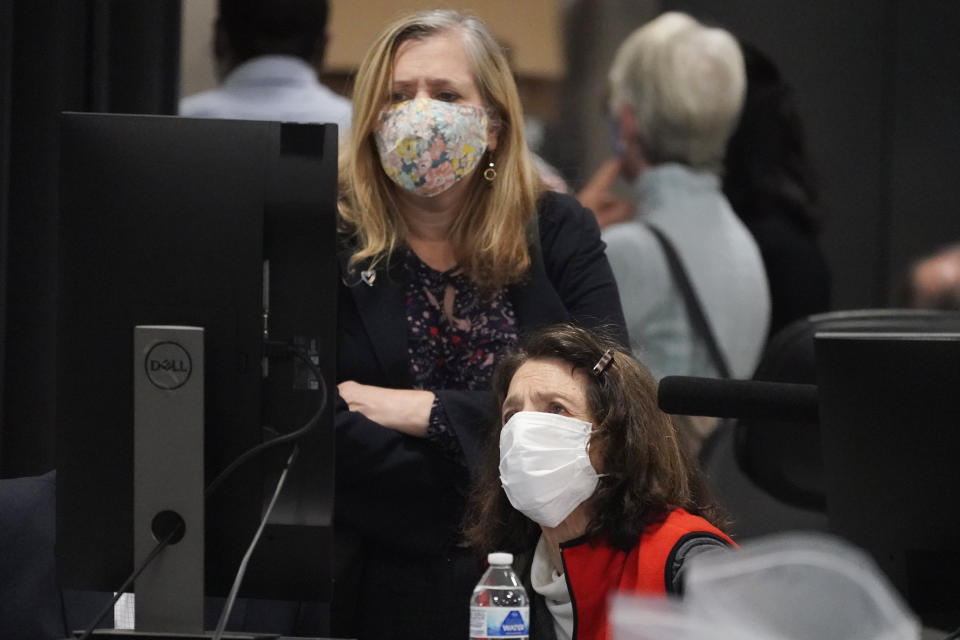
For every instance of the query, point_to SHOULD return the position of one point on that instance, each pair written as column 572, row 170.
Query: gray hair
column 685, row 83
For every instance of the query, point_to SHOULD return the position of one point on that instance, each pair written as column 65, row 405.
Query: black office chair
column 768, row 474
column 784, row 458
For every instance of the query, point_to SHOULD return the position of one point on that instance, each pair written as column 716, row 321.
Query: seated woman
column 597, row 493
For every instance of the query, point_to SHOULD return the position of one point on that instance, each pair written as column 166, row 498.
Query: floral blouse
column 455, row 334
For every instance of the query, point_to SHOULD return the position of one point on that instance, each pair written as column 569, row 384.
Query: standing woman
column 450, row 249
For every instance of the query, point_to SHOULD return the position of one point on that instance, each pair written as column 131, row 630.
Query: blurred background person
column 451, row 248
column 770, row 184
column 586, row 482
column 268, row 56
column 690, row 276
column 933, row 282
column 676, row 88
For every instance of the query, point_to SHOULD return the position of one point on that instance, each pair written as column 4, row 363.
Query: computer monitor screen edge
column 888, row 408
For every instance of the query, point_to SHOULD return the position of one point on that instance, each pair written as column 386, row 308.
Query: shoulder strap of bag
column 694, row 309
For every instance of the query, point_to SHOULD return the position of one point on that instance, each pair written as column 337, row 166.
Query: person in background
column 450, row 249
column 586, row 482
column 268, row 55
column 676, row 88
column 769, row 182
column 691, row 278
column 933, row 282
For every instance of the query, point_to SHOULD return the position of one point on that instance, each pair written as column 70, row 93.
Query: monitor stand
column 168, row 476
column 168, row 389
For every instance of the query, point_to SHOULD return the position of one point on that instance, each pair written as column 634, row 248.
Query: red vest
column 595, row 570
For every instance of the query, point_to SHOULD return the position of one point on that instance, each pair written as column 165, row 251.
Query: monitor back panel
column 167, row 221
column 890, row 422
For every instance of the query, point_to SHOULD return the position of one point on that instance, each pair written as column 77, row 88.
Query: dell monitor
column 225, row 228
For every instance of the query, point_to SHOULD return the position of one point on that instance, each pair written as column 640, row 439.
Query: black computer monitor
column 225, row 225
column 890, row 412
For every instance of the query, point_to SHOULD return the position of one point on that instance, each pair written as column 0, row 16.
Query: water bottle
column 499, row 607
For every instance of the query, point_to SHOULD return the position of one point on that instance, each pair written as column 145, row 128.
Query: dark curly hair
column 646, row 470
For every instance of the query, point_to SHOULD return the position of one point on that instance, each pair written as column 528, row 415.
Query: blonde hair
column 685, row 83
column 489, row 236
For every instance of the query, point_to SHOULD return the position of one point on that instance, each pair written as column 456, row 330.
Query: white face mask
column 545, row 467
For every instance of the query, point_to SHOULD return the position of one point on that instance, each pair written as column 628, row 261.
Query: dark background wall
column 925, row 135
column 6, row 53
column 58, row 55
column 878, row 86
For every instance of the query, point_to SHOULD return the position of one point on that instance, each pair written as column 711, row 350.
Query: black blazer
column 401, row 492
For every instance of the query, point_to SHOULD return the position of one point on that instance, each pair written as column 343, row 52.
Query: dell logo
column 168, row 365
column 175, row 366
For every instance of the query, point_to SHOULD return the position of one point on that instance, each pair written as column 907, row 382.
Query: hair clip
column 603, row 362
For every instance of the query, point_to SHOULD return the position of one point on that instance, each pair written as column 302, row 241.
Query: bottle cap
column 500, row 558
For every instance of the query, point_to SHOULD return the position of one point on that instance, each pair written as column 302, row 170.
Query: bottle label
column 499, row 622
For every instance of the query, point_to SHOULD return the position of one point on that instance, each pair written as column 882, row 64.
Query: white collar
column 553, row 587
column 544, row 578
column 272, row 70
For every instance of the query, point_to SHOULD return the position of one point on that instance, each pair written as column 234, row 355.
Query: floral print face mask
column 426, row 145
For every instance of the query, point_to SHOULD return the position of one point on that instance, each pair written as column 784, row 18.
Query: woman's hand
column 404, row 410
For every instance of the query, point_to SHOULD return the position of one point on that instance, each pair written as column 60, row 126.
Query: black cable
column 133, row 576
column 304, row 357
column 242, row 570
column 307, row 428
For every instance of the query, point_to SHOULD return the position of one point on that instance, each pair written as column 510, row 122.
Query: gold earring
column 489, row 173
